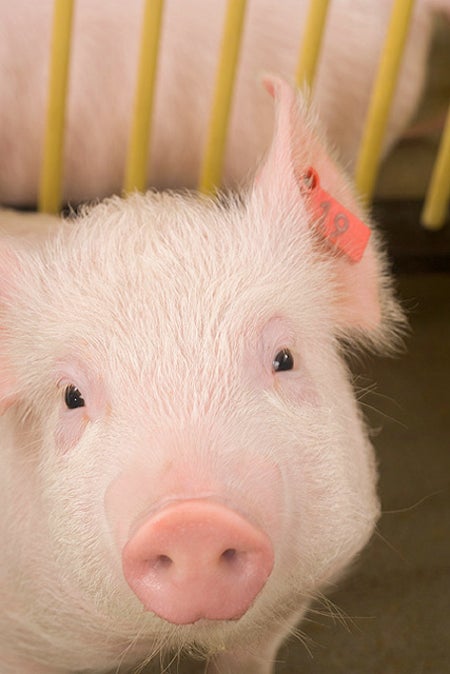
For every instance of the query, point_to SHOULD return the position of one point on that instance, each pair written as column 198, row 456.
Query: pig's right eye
column 284, row 360
column 73, row 398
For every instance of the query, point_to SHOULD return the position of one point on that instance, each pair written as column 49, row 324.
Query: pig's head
column 182, row 435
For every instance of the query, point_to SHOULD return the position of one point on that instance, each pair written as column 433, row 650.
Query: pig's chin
column 202, row 639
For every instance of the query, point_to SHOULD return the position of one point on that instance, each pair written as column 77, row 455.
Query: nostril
column 162, row 562
column 229, row 555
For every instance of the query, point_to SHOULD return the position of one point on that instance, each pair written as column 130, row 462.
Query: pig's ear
column 362, row 301
column 8, row 264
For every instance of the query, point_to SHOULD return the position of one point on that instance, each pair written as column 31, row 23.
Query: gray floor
column 396, row 602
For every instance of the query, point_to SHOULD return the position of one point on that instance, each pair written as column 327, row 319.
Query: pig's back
column 103, row 75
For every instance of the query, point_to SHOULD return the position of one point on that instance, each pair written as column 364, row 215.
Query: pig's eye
column 73, row 398
column 284, row 360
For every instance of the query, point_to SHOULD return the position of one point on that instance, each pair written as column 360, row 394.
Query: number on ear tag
column 335, row 222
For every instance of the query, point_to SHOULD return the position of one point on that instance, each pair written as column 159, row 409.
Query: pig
column 106, row 36
column 184, row 463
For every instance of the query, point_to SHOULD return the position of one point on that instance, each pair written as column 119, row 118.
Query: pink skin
column 197, row 559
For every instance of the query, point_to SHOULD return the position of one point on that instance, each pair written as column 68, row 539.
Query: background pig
column 184, row 465
column 105, row 54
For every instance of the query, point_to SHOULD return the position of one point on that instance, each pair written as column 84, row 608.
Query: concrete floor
column 395, row 605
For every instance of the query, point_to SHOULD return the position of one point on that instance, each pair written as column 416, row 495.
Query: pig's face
column 177, row 362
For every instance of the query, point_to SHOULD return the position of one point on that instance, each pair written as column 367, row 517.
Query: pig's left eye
column 284, row 360
column 73, row 398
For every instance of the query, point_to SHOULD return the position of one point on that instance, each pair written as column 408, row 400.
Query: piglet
column 184, row 464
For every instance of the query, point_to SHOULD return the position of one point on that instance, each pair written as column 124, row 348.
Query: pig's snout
column 197, row 559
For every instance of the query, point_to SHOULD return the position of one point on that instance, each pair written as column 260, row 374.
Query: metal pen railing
column 437, row 197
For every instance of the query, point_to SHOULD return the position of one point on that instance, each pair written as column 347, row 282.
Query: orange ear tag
column 335, row 223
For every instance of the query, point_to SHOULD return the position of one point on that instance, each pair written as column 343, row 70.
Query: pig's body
column 148, row 428
column 105, row 54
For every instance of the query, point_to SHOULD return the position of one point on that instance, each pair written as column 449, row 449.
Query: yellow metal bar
column 138, row 149
column 383, row 91
column 49, row 198
column 436, row 202
column 211, row 170
column 311, row 42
